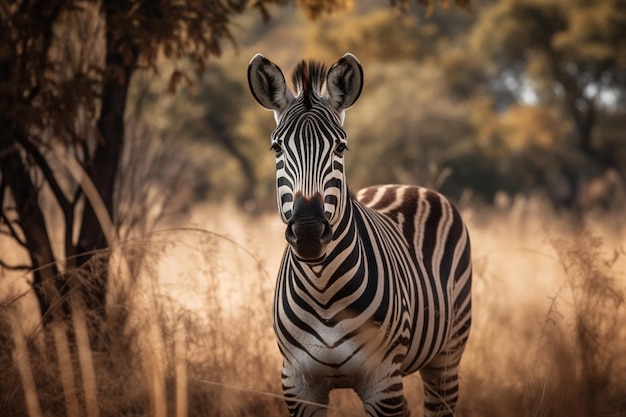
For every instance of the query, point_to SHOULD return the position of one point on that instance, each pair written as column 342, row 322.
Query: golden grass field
column 190, row 329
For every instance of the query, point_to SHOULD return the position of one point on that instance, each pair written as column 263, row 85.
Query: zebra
column 370, row 288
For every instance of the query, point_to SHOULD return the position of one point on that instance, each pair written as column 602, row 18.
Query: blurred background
column 506, row 100
column 139, row 238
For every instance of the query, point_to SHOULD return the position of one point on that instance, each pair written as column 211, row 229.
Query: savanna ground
column 189, row 324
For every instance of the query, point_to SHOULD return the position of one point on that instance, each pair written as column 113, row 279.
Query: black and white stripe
column 390, row 293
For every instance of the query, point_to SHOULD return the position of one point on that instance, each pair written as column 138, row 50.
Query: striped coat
column 370, row 288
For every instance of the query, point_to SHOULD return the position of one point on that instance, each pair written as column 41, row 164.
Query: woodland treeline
column 512, row 98
column 116, row 114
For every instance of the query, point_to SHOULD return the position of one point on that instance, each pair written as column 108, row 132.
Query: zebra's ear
column 267, row 84
column 344, row 82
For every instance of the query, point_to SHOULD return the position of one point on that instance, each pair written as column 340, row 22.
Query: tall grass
column 585, row 373
column 188, row 330
column 550, row 341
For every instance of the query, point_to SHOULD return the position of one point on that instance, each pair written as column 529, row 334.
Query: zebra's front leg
column 385, row 398
column 305, row 397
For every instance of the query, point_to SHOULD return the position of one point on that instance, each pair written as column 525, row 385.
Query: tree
column 567, row 54
column 55, row 113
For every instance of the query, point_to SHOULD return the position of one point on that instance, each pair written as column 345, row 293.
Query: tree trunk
column 102, row 169
column 48, row 284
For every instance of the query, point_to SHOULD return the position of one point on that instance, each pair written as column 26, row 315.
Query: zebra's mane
column 308, row 79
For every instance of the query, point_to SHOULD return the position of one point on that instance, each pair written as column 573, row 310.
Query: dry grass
column 189, row 326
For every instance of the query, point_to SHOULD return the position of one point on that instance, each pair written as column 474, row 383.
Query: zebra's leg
column 303, row 397
column 384, row 398
column 441, row 385
column 441, row 375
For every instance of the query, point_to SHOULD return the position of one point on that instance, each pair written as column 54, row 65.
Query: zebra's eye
column 340, row 148
column 277, row 148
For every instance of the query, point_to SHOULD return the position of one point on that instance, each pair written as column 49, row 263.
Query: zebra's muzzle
column 308, row 231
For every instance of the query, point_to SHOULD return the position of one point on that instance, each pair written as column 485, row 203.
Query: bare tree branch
column 12, row 232
column 6, row 221
column 42, row 164
column 18, row 267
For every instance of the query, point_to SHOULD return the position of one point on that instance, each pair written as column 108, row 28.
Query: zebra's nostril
column 290, row 235
column 327, row 234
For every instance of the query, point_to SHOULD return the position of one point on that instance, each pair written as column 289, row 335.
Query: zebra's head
column 309, row 142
